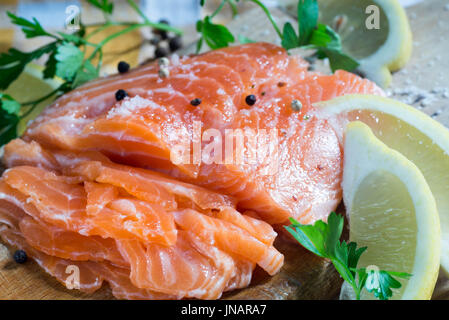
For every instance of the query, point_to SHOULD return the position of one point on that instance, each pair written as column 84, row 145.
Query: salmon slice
column 147, row 193
column 298, row 176
column 229, row 238
column 146, row 185
column 97, row 225
column 242, row 276
column 150, row 186
column 50, row 239
column 60, row 243
column 189, row 269
column 131, row 219
column 91, row 274
column 63, row 204
column 99, row 196
column 255, row 227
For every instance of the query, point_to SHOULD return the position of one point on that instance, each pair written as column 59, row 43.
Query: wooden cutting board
column 424, row 83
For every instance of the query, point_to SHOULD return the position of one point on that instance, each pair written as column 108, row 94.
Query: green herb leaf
column 323, row 239
column 354, row 254
column 14, row 61
column 339, row 60
column 8, row 104
column 289, row 38
column 8, row 126
column 199, row 45
column 309, row 236
column 75, row 38
column 324, row 36
column 333, row 232
column 86, row 73
column 31, row 29
column 215, row 35
column 104, row 5
column 380, row 284
column 50, row 66
column 307, row 18
column 69, row 59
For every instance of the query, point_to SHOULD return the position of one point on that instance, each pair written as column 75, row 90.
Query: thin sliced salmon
column 145, row 129
column 97, row 183
column 64, row 204
column 91, row 274
column 95, row 225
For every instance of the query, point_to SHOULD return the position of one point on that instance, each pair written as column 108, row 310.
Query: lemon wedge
column 379, row 50
column 418, row 137
column 392, row 211
column 30, row 86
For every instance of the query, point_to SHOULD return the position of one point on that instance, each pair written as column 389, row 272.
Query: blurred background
column 137, row 46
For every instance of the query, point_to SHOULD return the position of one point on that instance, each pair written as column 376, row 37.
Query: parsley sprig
column 309, row 35
column 323, row 239
column 67, row 58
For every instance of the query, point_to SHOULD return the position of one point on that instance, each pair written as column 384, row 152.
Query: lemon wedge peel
column 395, row 52
column 364, row 155
column 420, row 154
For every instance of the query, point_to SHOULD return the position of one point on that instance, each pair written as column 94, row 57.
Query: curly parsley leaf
column 323, row 239
column 84, row 74
column 74, row 38
column 31, row 29
column 14, row 61
column 290, row 39
column 215, row 35
column 8, row 104
column 104, row 5
column 310, row 236
column 8, row 126
column 381, row 282
column 338, row 60
column 324, row 36
column 307, row 19
column 9, row 119
column 69, row 60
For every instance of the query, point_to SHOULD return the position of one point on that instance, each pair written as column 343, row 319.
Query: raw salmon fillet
column 301, row 179
column 166, row 200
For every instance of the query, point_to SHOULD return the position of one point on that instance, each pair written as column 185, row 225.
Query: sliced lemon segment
column 375, row 32
column 418, row 137
column 391, row 211
column 31, row 86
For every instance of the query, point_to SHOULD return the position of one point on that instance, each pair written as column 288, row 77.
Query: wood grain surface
column 304, row 275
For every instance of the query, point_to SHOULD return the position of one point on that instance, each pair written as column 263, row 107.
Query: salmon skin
column 167, row 199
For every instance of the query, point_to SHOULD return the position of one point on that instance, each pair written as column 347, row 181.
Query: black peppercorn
column 195, row 102
column 162, row 33
column 175, row 43
column 20, row 256
column 250, row 100
column 160, row 52
column 120, row 94
column 123, row 67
